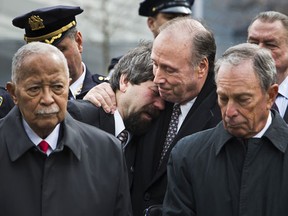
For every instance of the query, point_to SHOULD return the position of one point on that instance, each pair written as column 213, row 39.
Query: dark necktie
column 43, row 145
column 275, row 107
column 123, row 137
column 172, row 131
column 70, row 95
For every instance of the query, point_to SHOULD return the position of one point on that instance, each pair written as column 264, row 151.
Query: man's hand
column 102, row 95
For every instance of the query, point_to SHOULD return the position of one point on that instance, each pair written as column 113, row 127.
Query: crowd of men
column 173, row 132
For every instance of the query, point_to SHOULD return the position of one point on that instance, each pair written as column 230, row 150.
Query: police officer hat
column 152, row 7
column 49, row 24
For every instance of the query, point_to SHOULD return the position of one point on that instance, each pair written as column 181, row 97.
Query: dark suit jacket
column 85, row 175
column 149, row 183
column 89, row 82
column 86, row 112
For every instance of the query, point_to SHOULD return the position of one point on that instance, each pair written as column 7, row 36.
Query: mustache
column 48, row 110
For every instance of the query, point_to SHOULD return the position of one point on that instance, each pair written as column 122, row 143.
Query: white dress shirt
column 282, row 98
column 51, row 139
column 76, row 87
column 119, row 126
column 184, row 111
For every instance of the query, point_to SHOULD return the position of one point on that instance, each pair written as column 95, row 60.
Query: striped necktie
column 123, row 137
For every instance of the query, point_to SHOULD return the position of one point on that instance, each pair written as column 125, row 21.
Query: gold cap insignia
column 53, row 35
column 1, row 100
column 36, row 23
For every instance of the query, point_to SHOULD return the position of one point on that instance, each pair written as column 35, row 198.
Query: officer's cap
column 49, row 24
column 152, row 7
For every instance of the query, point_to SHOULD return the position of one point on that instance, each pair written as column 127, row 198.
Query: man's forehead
column 263, row 25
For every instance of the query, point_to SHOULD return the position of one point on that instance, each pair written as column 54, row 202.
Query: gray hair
column 262, row 62
column 33, row 48
column 202, row 39
column 270, row 17
column 136, row 65
column 71, row 33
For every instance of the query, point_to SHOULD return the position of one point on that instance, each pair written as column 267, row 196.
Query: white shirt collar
column 283, row 88
column 76, row 87
column 185, row 108
column 268, row 123
column 119, row 124
column 52, row 138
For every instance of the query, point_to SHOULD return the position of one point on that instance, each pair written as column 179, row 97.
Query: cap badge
column 1, row 100
column 36, row 23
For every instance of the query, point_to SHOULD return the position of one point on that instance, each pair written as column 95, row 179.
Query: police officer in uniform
column 57, row 26
column 6, row 102
column 159, row 12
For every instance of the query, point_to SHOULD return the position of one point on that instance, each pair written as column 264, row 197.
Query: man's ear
column 272, row 94
column 123, row 83
column 11, row 89
column 79, row 41
column 203, row 68
column 151, row 23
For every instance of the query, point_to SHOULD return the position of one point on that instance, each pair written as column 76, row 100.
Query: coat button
column 146, row 196
column 132, row 169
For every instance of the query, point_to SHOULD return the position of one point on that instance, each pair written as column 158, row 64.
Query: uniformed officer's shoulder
column 6, row 102
column 2, row 89
column 2, row 95
column 98, row 78
column 5, row 94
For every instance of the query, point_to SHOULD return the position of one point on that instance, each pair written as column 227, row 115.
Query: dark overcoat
column 213, row 173
column 85, row 175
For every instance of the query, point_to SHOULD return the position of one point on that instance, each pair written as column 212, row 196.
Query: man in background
column 57, row 26
column 159, row 12
column 269, row 29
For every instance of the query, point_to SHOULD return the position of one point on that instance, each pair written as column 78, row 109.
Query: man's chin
column 236, row 131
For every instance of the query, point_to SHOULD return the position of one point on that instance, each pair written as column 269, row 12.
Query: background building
column 112, row 27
